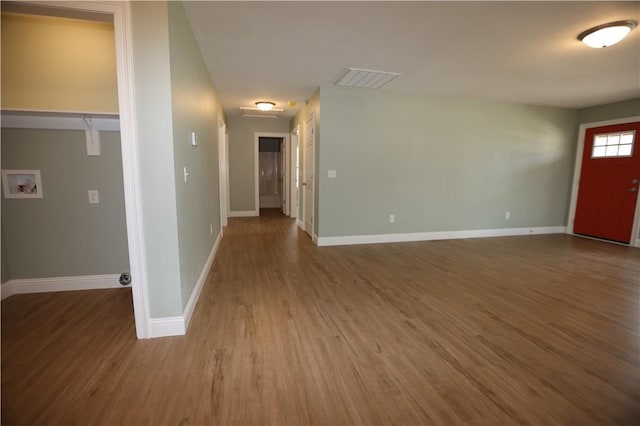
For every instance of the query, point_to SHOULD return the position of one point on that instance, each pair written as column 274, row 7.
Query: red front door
column 608, row 188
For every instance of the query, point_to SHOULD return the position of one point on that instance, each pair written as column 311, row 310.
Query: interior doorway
column 119, row 13
column 271, row 171
column 308, row 133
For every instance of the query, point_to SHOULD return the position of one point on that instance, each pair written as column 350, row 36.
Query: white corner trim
column 314, row 238
column 45, row 285
column 195, row 294
column 166, row 326
column 300, row 223
column 247, row 213
column 443, row 235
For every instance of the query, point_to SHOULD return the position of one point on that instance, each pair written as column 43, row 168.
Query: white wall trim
column 300, row 223
column 442, row 235
column 190, row 308
column 54, row 284
column 56, row 122
column 166, row 326
column 247, row 213
column 315, row 238
column 578, row 169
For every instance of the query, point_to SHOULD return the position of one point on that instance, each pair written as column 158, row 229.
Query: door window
column 618, row 144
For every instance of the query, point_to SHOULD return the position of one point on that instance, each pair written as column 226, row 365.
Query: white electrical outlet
column 392, row 218
column 332, row 174
column 507, row 215
column 94, row 197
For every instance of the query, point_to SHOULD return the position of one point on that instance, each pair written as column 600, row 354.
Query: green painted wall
column 242, row 158
column 440, row 164
column 62, row 234
column 152, row 85
column 195, row 108
column 623, row 109
column 174, row 96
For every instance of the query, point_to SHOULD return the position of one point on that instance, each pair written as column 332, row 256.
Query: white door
column 222, row 172
column 294, row 168
column 309, row 140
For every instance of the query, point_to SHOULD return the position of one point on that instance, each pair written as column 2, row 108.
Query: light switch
column 94, row 197
column 186, row 175
column 194, row 139
column 332, row 174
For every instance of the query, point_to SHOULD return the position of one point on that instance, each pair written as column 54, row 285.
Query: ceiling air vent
column 357, row 77
column 252, row 112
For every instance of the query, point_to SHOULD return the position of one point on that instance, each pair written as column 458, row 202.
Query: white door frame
column 635, row 240
column 314, row 237
column 293, row 191
column 226, row 161
column 222, row 173
column 256, row 161
column 121, row 12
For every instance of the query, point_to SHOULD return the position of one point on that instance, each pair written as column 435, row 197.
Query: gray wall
column 312, row 107
column 152, row 85
column 623, row 109
column 174, row 96
column 62, row 234
column 242, row 158
column 195, row 108
column 440, row 164
column 3, row 257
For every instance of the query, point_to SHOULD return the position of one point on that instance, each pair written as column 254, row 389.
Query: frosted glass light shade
column 264, row 105
column 607, row 34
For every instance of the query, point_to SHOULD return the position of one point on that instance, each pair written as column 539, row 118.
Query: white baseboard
column 177, row 326
column 300, row 223
column 444, row 235
column 248, row 213
column 195, row 294
column 314, row 238
column 45, row 285
column 166, row 326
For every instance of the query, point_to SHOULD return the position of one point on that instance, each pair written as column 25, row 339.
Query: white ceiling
column 511, row 51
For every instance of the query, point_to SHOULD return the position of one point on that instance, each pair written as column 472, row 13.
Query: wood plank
column 516, row 330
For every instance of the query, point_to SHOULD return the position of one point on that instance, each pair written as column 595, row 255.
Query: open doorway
column 118, row 14
column 272, row 172
column 271, row 168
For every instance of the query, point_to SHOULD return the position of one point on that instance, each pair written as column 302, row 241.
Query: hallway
column 514, row 330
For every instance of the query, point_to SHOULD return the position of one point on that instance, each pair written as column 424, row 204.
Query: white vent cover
column 357, row 77
column 252, row 112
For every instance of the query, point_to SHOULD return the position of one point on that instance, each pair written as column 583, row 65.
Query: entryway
column 609, row 179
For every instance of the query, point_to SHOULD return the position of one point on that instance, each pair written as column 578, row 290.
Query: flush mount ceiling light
column 265, row 105
column 606, row 34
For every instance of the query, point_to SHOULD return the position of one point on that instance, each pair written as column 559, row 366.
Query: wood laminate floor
column 533, row 330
